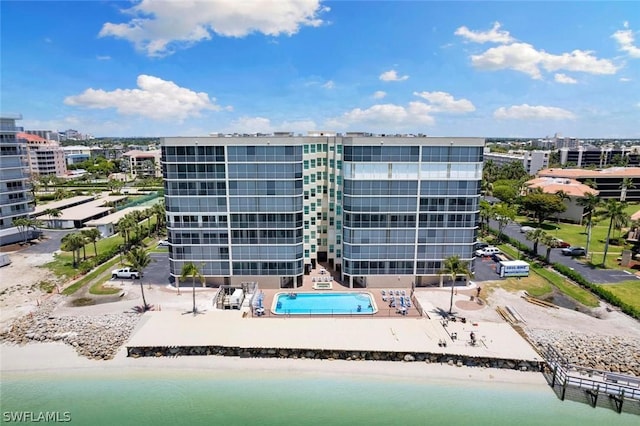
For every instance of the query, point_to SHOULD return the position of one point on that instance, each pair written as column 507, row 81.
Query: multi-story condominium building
column 600, row 156
column 16, row 200
column 379, row 210
column 143, row 163
column 532, row 161
column 621, row 183
column 46, row 158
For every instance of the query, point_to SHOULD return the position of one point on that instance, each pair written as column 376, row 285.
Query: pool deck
column 384, row 331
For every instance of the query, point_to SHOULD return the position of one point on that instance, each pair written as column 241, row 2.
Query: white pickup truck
column 125, row 273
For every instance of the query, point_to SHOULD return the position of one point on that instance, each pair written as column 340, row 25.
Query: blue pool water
column 324, row 304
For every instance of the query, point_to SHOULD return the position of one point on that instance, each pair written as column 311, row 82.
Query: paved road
column 599, row 276
column 49, row 243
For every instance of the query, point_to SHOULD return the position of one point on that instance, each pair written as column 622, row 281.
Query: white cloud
column 392, row 75
column 159, row 27
column 528, row 112
column 329, row 85
column 624, row 79
column 445, row 102
column 626, row 39
column 103, row 57
column 384, row 116
column 379, row 94
column 564, row 79
column 494, row 35
column 155, row 98
column 525, row 58
column 263, row 125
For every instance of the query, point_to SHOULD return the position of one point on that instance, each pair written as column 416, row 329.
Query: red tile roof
column 570, row 187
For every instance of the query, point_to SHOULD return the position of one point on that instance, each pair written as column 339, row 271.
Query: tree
column 73, row 242
column 503, row 214
column 486, row 213
column 589, row 204
column 507, row 193
column 115, row 185
column 160, row 213
column 60, row 194
column 542, row 205
column 453, row 267
column 614, row 211
column 591, row 183
column 189, row 269
column 138, row 258
column 627, row 183
column 23, row 224
column 92, row 235
column 550, row 242
column 537, row 235
column 54, row 213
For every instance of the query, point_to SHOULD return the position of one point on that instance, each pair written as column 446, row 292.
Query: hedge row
column 600, row 291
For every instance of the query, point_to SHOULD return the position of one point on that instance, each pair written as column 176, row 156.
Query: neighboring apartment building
column 16, row 199
column 142, row 164
column 49, row 135
column 46, row 158
column 76, row 154
column 608, row 182
column 379, row 210
column 600, row 156
column 532, row 161
column 572, row 189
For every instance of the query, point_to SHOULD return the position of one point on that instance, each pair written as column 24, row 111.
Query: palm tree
column 23, row 224
column 486, row 213
column 73, row 242
column 140, row 259
column 591, row 183
column 537, row 235
column 614, row 211
column 589, row 203
column 160, row 213
column 54, row 213
column 189, row 269
column 550, row 242
column 454, row 267
column 92, row 235
column 627, row 183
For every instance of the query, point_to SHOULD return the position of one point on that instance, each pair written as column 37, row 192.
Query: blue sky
column 164, row 68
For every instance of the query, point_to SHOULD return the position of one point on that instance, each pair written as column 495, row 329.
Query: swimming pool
column 324, row 304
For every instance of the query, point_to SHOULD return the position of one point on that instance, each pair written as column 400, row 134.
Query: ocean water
column 196, row 397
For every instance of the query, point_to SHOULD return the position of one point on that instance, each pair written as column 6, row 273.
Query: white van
column 487, row 251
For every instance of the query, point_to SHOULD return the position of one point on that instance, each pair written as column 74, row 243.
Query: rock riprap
column 619, row 354
column 95, row 337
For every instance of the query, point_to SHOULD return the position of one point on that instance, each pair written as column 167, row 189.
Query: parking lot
column 485, row 270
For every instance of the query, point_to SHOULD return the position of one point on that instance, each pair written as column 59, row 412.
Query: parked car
column 126, row 273
column 561, row 244
column 163, row 243
column 487, row 251
column 574, row 251
column 526, row 229
column 480, row 245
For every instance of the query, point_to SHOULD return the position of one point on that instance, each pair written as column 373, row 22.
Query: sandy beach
column 57, row 357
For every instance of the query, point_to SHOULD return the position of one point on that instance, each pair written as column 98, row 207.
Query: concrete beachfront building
column 379, row 210
column 16, row 200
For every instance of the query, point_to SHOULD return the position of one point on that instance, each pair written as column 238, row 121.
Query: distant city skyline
column 159, row 68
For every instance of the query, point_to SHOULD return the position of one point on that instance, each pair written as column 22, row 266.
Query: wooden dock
column 597, row 388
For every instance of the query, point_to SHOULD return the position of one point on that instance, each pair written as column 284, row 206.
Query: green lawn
column 575, row 292
column 629, row 291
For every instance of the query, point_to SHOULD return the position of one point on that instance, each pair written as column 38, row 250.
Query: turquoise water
column 194, row 397
column 324, row 303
